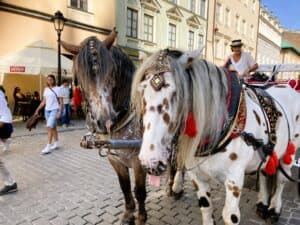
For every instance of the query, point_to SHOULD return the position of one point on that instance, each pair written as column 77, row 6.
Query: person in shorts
column 53, row 103
column 6, row 129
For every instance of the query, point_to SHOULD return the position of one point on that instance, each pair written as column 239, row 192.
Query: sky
column 288, row 12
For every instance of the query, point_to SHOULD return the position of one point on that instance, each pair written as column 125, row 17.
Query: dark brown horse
column 105, row 73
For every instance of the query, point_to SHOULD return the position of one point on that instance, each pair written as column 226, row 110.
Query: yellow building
column 23, row 22
column 229, row 20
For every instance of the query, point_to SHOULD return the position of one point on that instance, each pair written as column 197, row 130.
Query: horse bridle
column 157, row 83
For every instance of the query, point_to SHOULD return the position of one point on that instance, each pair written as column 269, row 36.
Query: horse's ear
column 142, row 56
column 109, row 40
column 188, row 57
column 74, row 49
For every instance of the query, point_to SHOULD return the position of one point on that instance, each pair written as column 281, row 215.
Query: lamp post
column 59, row 22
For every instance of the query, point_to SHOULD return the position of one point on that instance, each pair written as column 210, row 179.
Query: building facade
column 269, row 38
column 23, row 22
column 229, row 20
column 149, row 25
column 290, row 52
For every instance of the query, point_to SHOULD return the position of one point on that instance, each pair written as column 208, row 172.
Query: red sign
column 19, row 69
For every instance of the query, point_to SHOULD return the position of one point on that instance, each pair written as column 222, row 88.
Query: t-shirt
column 5, row 114
column 65, row 92
column 246, row 61
column 51, row 99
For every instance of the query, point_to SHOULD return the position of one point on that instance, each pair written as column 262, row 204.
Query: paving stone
column 77, row 221
column 93, row 219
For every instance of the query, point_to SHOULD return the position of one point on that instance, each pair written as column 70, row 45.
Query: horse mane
column 95, row 63
column 202, row 89
column 123, row 74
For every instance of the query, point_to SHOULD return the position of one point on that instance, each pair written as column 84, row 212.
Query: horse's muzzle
column 156, row 169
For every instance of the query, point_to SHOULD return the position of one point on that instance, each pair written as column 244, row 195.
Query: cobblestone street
column 76, row 186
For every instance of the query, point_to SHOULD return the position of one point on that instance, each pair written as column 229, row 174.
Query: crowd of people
column 25, row 105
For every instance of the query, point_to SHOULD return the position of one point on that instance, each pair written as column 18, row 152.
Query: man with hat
column 240, row 61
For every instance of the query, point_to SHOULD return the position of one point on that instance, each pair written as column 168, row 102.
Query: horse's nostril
column 162, row 167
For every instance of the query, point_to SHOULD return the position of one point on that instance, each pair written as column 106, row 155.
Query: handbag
column 32, row 121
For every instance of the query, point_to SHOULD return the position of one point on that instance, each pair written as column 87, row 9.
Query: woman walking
column 52, row 100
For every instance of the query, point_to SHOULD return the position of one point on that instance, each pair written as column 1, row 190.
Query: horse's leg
column 204, row 200
column 171, row 174
column 233, row 185
column 175, row 182
column 276, row 200
column 124, row 180
column 263, row 197
column 140, row 192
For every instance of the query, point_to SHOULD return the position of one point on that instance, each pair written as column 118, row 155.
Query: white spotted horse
column 217, row 129
column 105, row 73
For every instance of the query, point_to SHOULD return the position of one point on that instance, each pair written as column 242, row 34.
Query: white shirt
column 246, row 61
column 5, row 114
column 65, row 92
column 51, row 99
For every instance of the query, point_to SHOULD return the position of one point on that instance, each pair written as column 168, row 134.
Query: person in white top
column 52, row 101
column 6, row 130
column 240, row 61
column 65, row 92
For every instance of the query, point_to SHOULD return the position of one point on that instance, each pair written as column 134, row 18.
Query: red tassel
column 287, row 158
column 272, row 164
column 190, row 126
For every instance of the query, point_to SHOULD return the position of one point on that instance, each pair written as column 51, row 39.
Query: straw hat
column 236, row 43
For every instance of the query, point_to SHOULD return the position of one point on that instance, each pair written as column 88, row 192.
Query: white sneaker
column 6, row 144
column 55, row 146
column 47, row 149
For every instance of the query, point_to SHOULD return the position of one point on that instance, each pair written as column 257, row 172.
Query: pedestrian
column 77, row 100
column 6, row 129
column 65, row 92
column 240, row 61
column 52, row 101
column 18, row 97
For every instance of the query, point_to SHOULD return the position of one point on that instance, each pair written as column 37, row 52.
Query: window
column 80, row 4
column 237, row 23
column 244, row 27
column 227, row 17
column 192, row 5
column 191, row 40
column 252, row 32
column 132, row 23
column 253, row 5
column 219, row 12
column 225, row 50
column 172, row 35
column 173, row 1
column 200, row 40
column 217, row 49
column 148, row 28
column 202, row 8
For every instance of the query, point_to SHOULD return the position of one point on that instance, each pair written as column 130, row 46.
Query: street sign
column 17, row 69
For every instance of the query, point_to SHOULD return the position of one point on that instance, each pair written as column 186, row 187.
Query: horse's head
column 95, row 69
column 160, row 98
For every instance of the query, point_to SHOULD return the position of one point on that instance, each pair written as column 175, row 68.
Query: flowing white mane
column 201, row 89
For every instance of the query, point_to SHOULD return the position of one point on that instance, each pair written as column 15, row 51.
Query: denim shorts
column 6, row 131
column 50, row 116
